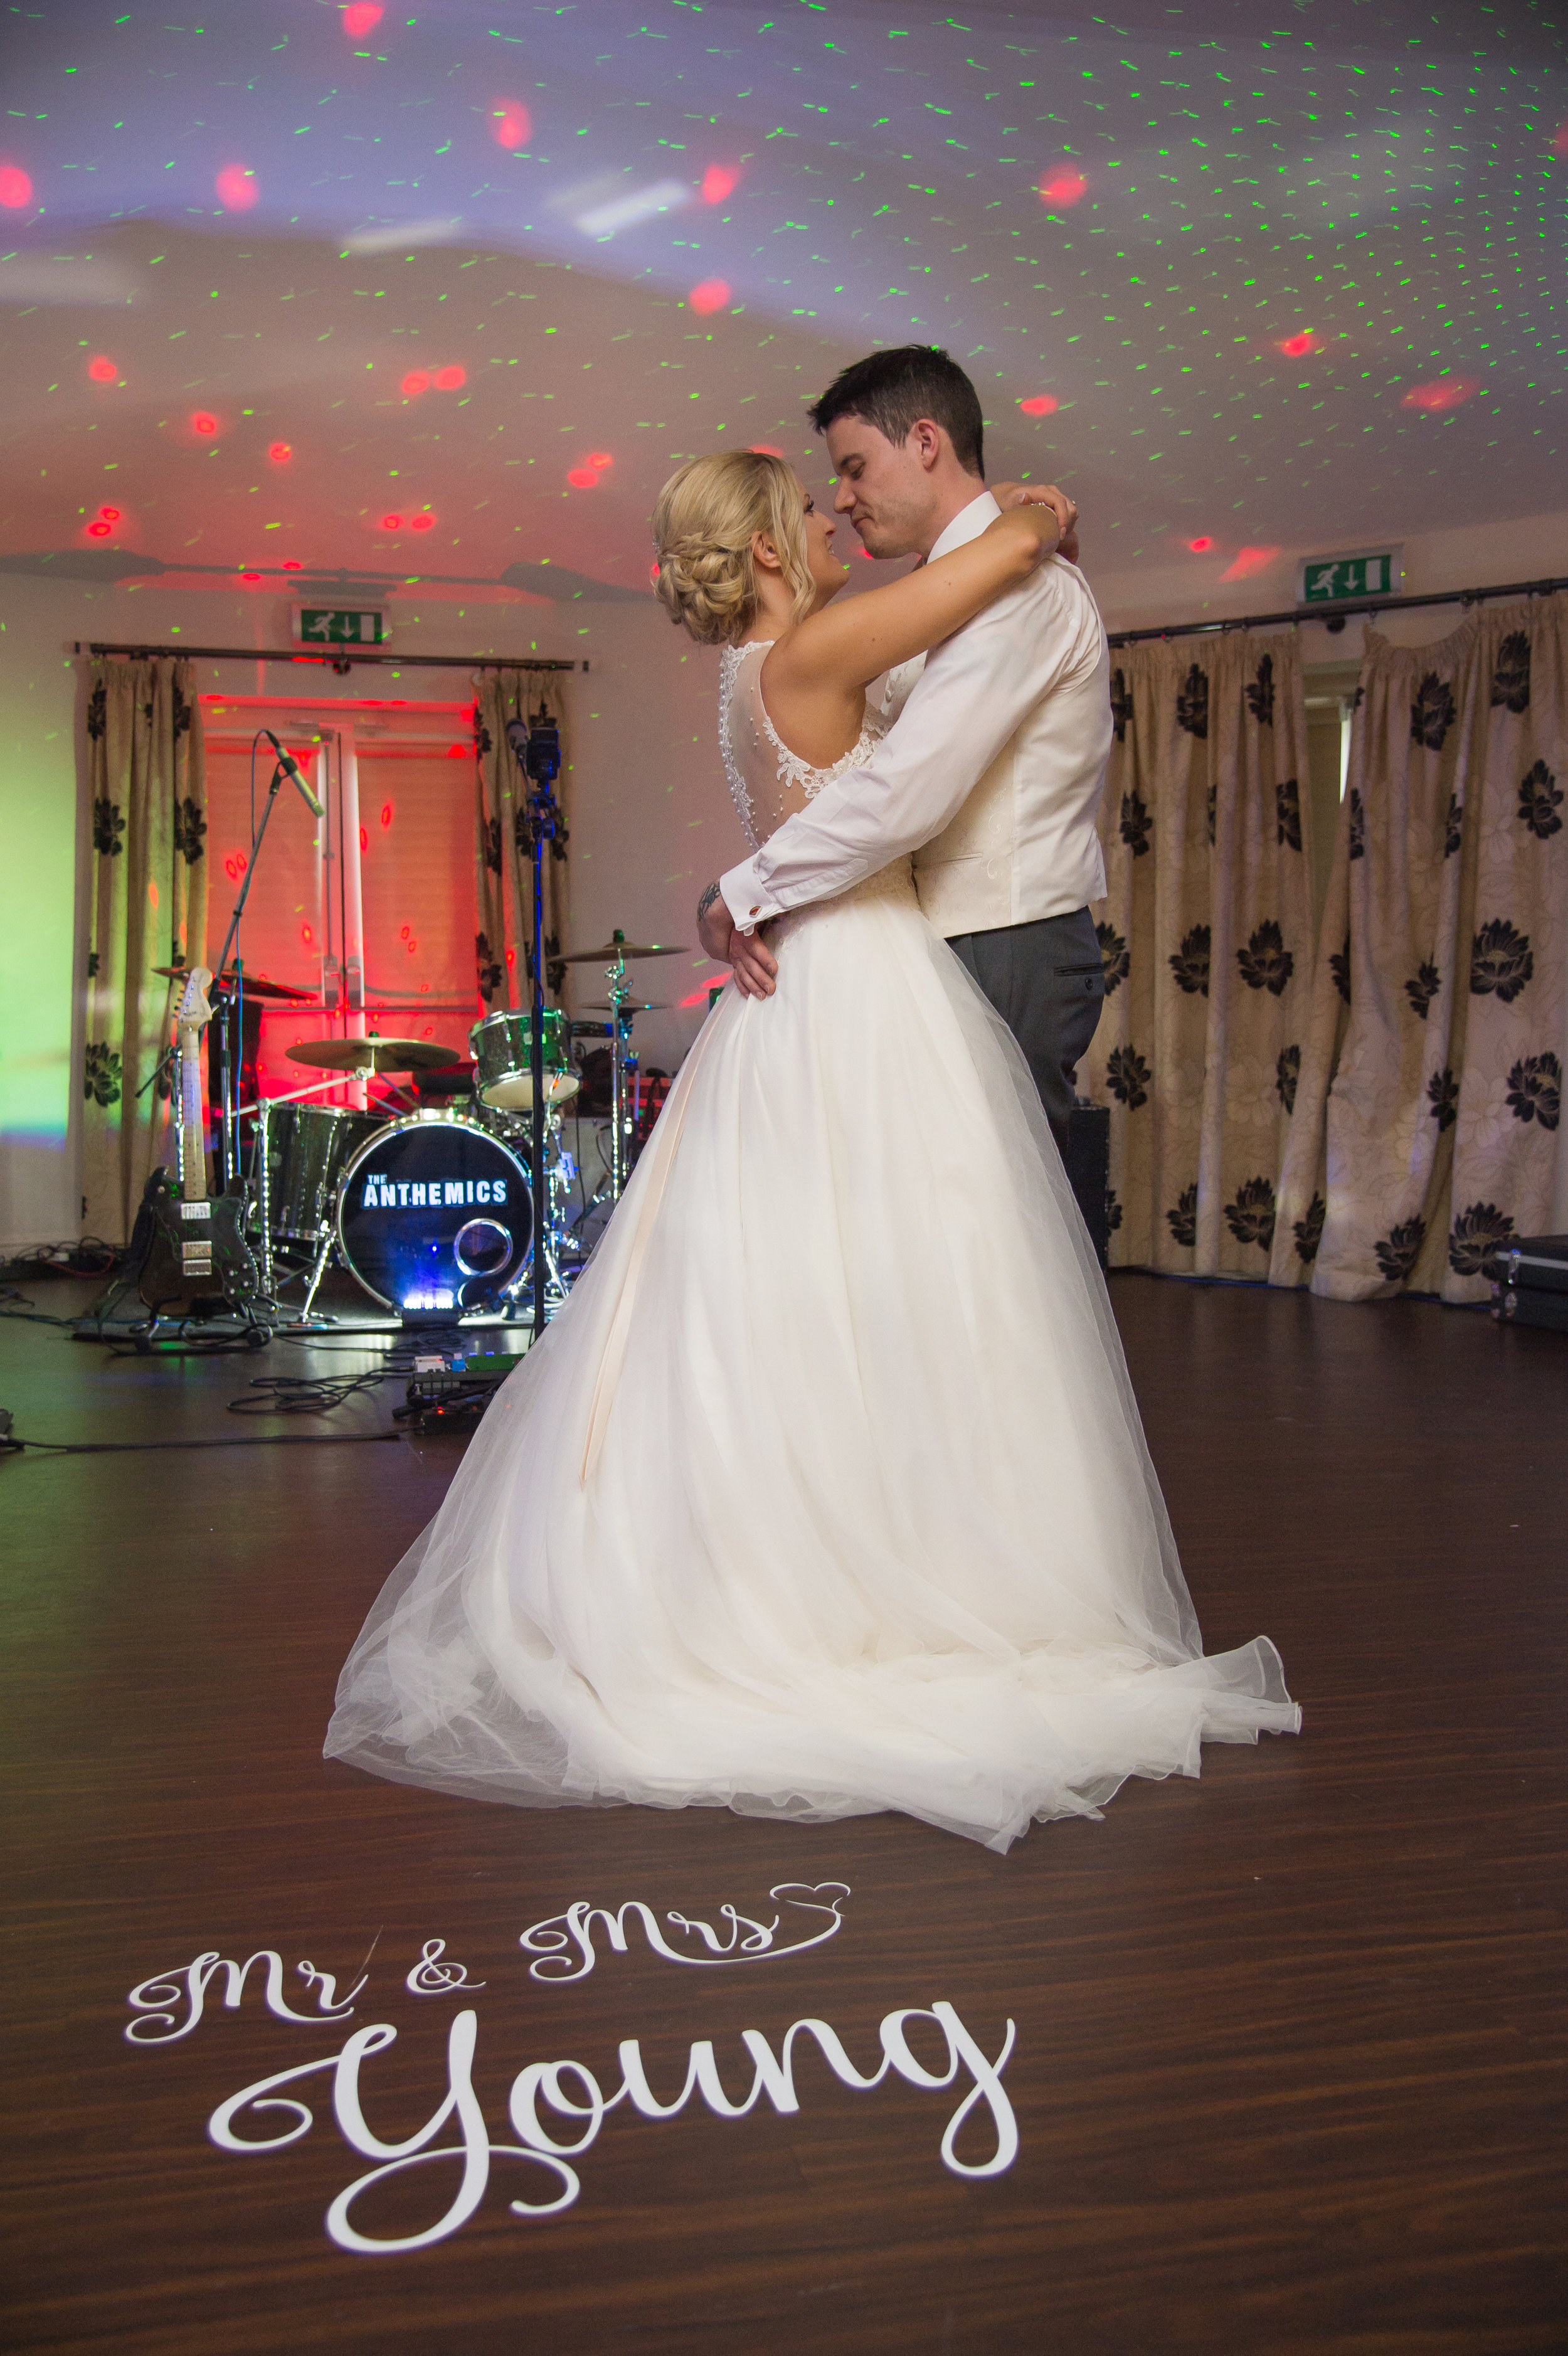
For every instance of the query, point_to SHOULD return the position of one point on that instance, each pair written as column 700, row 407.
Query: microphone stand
column 537, row 751
column 233, row 1002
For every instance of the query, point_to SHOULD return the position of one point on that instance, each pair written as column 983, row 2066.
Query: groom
column 992, row 773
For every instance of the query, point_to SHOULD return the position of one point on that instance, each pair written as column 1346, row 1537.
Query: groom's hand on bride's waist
column 754, row 966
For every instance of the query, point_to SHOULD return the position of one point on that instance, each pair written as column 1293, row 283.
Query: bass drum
column 434, row 1212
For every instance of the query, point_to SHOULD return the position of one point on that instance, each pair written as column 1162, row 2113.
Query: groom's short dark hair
column 892, row 389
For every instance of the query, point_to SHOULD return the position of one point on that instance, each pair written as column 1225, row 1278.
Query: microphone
column 517, row 738
column 291, row 768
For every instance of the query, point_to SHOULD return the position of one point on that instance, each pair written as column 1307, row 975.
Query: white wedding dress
column 826, row 1492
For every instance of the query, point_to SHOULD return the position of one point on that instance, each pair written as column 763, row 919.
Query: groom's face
column 884, row 487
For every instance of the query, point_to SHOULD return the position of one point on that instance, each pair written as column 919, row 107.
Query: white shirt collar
column 967, row 525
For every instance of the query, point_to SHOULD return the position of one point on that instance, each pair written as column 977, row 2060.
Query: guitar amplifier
column 1532, row 1283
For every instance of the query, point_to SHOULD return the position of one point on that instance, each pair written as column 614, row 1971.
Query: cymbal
column 633, row 1006
column 619, row 946
column 372, row 1054
column 254, row 986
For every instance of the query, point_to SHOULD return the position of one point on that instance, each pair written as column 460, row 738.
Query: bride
column 826, row 1492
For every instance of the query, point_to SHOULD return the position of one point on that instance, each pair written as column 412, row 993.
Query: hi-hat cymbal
column 632, row 1006
column 372, row 1054
column 619, row 946
column 254, row 986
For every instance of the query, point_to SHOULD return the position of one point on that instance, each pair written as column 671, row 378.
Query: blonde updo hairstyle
column 703, row 526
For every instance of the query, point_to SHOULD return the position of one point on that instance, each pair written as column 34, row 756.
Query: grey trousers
column 1046, row 982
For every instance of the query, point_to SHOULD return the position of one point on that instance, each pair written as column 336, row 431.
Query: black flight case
column 1533, row 1286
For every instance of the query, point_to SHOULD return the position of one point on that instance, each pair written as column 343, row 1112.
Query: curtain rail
column 338, row 660
column 1341, row 612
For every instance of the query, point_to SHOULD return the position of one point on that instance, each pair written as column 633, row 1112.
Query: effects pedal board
column 450, row 1394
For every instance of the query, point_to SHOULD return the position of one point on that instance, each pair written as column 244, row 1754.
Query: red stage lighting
column 236, row 188
column 450, row 380
column 581, row 479
column 422, row 522
column 386, row 813
column 392, row 523
column 1296, row 347
column 99, row 529
column 1063, row 186
column 203, row 424
column 109, row 515
column 709, row 295
column 718, row 182
column 511, row 125
column 416, row 381
column 293, row 564
column 1202, row 545
column 1445, row 392
column 767, row 450
column 16, row 187
column 1039, row 404
column 360, row 16
column 599, row 458
column 280, row 453
column 103, row 369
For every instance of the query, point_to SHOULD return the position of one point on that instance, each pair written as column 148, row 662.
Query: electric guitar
column 196, row 1251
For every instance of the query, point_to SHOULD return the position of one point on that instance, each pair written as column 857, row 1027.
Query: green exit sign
column 336, row 626
column 1368, row 572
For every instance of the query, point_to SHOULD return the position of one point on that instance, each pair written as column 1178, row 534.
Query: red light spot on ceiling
column 103, row 369
column 250, row 576
column 1296, row 347
column 1248, row 561
column 416, row 381
column 708, row 295
column 16, row 187
column 718, row 182
column 1039, row 404
column 451, row 379
column 422, row 522
column 99, row 530
column 386, row 813
column 110, row 515
column 293, row 564
column 202, row 423
column 1445, row 392
column 361, row 17
column 280, row 453
column 581, row 479
column 1202, row 545
column 511, row 124
column 364, row 839
column 599, row 458
column 767, row 450
column 236, row 189
column 1063, row 186
column 404, row 933
column 392, row 523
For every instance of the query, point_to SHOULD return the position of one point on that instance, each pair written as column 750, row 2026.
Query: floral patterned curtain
column 1206, row 935
column 505, row 867
column 1426, row 1130
column 148, row 908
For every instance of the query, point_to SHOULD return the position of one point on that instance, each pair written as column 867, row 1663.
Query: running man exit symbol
column 1329, row 580
column 331, row 626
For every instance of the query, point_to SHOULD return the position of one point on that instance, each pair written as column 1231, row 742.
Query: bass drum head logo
column 435, row 1215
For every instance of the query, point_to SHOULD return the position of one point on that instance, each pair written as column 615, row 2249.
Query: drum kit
column 430, row 1209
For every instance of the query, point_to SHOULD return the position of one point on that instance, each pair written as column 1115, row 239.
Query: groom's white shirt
column 991, row 776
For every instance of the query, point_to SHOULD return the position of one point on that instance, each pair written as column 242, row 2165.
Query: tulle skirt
column 826, row 1492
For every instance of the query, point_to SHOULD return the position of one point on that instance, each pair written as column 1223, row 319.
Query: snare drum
column 434, row 1212
column 307, row 1146
column 502, row 1044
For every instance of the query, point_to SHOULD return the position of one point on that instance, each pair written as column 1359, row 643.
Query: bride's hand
column 1017, row 495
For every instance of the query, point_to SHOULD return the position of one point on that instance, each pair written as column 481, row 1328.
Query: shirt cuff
column 746, row 899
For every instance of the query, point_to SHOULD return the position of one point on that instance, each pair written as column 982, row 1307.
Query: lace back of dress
column 769, row 783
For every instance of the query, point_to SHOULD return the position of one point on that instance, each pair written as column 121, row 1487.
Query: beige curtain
column 148, row 908
column 1207, row 936
column 504, row 869
column 1426, row 1130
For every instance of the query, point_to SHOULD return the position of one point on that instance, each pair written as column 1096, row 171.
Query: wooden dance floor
column 1286, row 2051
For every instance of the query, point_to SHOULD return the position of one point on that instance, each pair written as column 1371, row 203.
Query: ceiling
column 442, row 292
